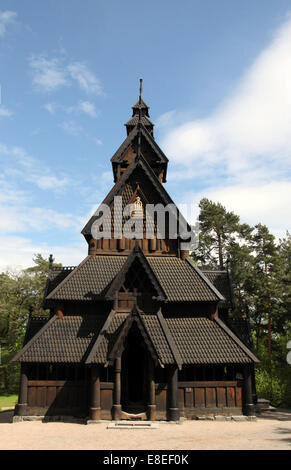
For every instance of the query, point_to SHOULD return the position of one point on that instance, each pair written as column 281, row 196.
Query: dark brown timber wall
column 60, row 398
column 206, row 398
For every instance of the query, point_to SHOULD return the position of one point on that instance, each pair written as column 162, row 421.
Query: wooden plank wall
column 59, row 397
column 72, row 397
column 212, row 395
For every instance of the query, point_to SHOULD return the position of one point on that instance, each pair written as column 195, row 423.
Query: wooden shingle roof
column 62, row 340
column 180, row 280
column 90, row 339
column 144, row 135
column 204, row 341
column 135, row 120
column 221, row 281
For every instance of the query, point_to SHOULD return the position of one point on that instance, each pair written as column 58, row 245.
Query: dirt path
column 271, row 431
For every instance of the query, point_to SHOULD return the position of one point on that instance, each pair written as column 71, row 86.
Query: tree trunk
column 220, row 256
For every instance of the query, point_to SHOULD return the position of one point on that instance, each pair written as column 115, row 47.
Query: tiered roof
column 182, row 334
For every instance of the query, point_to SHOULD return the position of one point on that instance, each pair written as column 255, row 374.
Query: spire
column 139, row 119
column 140, row 113
column 140, row 90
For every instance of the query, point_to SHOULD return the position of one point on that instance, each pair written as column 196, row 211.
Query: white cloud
column 241, row 153
column 23, row 218
column 8, row 193
column 4, row 112
column 87, row 108
column 266, row 203
column 251, row 128
column 50, row 181
column 48, row 75
column 6, row 17
column 18, row 252
column 71, row 127
column 17, row 162
column 85, row 78
column 51, row 107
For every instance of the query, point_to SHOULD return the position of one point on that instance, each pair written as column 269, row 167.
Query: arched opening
column 133, row 375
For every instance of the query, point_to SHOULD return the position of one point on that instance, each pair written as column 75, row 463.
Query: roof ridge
column 136, row 253
column 99, row 338
column 236, row 339
column 113, row 190
column 139, row 127
column 170, row 340
column 34, row 338
column 73, row 272
column 151, row 175
column 213, row 270
column 125, row 143
column 152, row 141
column 205, row 279
column 135, row 315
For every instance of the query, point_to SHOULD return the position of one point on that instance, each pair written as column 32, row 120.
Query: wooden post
column 184, row 254
column 173, row 410
column 117, row 391
column 95, row 407
column 249, row 407
column 92, row 247
column 213, row 311
column 22, row 399
column 152, row 391
column 60, row 311
column 121, row 244
column 152, row 244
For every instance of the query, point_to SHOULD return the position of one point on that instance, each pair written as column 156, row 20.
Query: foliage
column 20, row 293
column 261, row 277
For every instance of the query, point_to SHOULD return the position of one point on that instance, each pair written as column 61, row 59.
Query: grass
column 8, row 400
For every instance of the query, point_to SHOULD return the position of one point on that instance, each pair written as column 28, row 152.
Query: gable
column 136, row 274
column 146, row 136
column 151, row 187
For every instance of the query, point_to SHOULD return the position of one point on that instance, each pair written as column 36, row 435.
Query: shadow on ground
column 278, row 415
column 285, row 432
column 6, row 416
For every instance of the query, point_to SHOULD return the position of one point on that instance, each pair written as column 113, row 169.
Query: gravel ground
column 272, row 431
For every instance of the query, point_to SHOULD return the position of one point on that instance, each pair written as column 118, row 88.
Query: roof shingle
column 204, row 341
column 91, row 279
column 62, row 340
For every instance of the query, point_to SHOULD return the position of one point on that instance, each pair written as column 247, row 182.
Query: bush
column 276, row 386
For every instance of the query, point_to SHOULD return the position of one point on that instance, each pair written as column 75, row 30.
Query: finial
column 139, row 117
column 51, row 260
column 140, row 90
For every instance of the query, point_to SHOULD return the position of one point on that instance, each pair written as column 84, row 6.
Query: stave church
column 136, row 330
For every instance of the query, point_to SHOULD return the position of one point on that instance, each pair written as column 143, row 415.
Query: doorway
column 133, row 373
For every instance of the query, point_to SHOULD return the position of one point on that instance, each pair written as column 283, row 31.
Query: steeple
column 140, row 113
column 139, row 143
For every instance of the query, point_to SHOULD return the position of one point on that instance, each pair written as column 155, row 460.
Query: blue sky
column 216, row 76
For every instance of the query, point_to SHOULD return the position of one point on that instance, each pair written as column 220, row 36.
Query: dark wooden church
column 136, row 330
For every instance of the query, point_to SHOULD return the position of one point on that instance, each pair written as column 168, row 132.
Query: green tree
column 218, row 229
column 261, row 274
column 20, row 293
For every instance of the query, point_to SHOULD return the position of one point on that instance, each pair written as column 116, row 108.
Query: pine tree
column 218, row 229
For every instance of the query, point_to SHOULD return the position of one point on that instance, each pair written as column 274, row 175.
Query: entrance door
column 133, row 373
